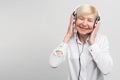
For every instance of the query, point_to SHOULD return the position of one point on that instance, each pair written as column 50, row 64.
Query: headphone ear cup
column 96, row 21
column 75, row 16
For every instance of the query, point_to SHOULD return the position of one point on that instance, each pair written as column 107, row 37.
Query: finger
column 71, row 19
column 71, row 26
column 97, row 27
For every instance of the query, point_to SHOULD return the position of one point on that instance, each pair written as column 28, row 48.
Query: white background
column 31, row 29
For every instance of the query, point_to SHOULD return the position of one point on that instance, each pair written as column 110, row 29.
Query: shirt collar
column 79, row 42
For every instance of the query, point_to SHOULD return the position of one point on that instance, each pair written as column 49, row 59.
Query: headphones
column 75, row 18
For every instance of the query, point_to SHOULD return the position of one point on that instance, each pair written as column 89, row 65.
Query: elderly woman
column 86, row 51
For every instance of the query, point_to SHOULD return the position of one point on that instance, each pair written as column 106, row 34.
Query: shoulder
column 101, row 39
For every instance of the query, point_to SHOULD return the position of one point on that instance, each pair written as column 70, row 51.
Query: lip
column 83, row 29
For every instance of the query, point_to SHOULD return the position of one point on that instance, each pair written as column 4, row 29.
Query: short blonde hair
column 86, row 9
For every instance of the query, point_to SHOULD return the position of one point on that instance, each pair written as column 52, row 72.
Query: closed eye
column 90, row 20
column 81, row 18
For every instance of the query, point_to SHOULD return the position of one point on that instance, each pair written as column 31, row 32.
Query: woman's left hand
column 93, row 34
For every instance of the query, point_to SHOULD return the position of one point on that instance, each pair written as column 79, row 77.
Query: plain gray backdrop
column 31, row 29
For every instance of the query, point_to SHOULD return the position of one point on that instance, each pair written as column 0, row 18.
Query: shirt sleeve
column 101, row 55
column 55, row 60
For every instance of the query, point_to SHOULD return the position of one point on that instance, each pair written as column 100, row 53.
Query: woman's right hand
column 70, row 31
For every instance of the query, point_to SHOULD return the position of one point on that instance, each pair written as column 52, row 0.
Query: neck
column 82, row 38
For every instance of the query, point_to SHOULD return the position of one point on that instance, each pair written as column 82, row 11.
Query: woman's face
column 84, row 24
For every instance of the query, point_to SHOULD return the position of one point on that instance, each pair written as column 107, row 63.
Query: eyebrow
column 88, row 17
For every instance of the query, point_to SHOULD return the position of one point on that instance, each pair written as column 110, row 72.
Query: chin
column 84, row 33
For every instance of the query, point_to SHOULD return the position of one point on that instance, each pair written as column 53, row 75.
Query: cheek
column 91, row 29
column 91, row 25
column 78, row 21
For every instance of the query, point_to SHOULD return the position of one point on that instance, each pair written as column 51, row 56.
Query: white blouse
column 86, row 62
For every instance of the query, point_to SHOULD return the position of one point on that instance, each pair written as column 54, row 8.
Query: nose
column 85, row 22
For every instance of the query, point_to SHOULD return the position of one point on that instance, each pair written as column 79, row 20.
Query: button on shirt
column 85, row 62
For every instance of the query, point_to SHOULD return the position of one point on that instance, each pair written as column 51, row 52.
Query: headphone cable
column 79, row 58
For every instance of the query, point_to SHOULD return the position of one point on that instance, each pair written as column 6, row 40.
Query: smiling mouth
column 81, row 28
